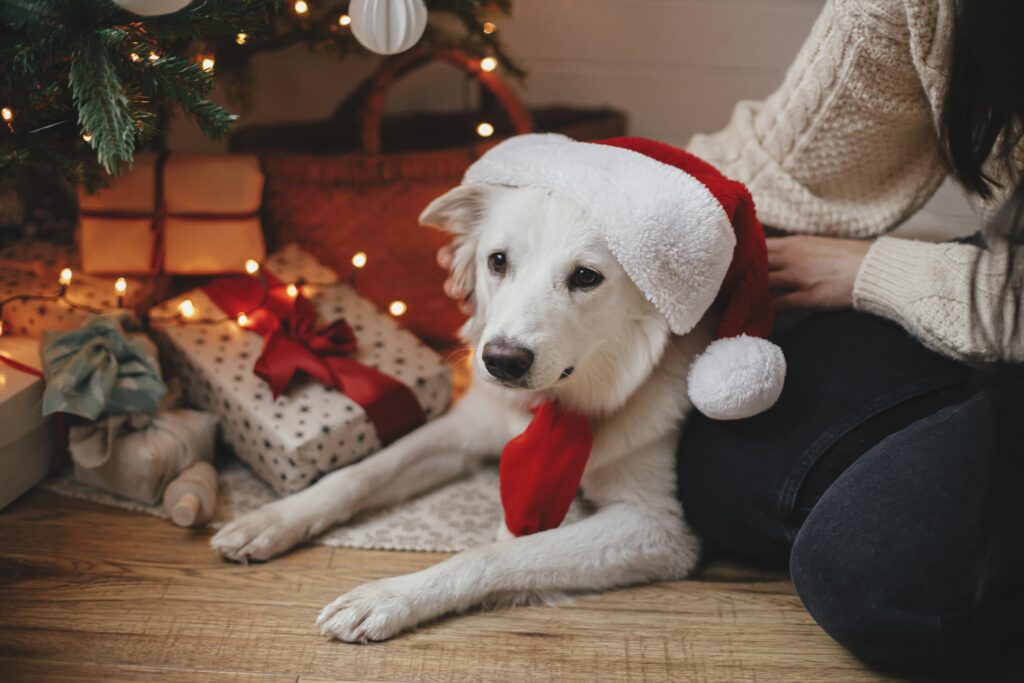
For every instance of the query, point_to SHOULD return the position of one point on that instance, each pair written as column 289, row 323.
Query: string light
column 207, row 64
column 252, row 266
column 344, row 20
column 120, row 288
column 241, row 38
column 301, row 7
column 359, row 259
column 291, row 290
column 242, row 319
column 65, row 278
column 136, row 58
column 87, row 137
column 485, row 130
column 397, row 308
column 187, row 308
column 489, row 27
column 153, row 56
column 7, row 113
column 488, row 64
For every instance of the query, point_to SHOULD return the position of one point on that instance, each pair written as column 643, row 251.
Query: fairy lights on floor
column 187, row 310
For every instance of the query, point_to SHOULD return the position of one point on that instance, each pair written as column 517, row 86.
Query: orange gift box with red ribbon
column 182, row 214
column 306, row 375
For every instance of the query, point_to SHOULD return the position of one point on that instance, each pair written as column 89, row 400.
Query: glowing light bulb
column 241, row 38
column 87, row 137
column 488, row 63
column 301, row 7
column 291, row 290
column 485, row 130
column 136, row 58
column 252, row 266
column 120, row 288
column 397, row 308
column 153, row 56
column 344, row 20
column 187, row 308
column 65, row 277
column 207, row 64
column 7, row 114
column 490, row 27
column 242, row 319
column 359, row 259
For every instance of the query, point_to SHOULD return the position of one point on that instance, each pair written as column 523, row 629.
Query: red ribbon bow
column 295, row 344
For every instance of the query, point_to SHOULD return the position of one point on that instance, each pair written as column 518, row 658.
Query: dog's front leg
column 621, row 544
column 440, row 451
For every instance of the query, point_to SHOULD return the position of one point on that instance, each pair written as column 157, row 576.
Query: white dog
column 556, row 319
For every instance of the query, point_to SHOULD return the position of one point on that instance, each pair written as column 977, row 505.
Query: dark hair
column 981, row 128
column 983, row 114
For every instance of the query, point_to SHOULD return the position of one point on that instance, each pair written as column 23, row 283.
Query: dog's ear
column 459, row 211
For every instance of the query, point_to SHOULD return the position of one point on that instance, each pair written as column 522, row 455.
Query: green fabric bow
column 100, row 369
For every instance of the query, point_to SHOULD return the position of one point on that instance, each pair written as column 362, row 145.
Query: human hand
column 445, row 255
column 814, row 273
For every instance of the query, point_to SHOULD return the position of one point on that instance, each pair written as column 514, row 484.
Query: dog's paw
column 260, row 534
column 374, row 611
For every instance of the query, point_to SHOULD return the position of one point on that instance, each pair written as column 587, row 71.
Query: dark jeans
column 869, row 475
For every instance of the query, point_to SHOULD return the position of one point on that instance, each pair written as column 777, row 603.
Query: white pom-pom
column 737, row 377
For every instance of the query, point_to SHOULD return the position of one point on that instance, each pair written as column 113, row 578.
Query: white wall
column 675, row 66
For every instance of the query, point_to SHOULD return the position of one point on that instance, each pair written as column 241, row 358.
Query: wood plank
column 92, row 593
column 34, row 671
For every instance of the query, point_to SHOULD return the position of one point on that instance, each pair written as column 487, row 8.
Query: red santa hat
column 684, row 233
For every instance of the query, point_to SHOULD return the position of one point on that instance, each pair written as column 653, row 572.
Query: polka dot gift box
column 40, row 272
column 311, row 427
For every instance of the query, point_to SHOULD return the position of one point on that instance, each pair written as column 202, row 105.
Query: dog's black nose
column 507, row 360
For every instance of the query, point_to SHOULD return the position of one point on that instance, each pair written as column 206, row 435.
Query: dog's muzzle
column 506, row 360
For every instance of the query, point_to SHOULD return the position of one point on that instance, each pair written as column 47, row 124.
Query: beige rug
column 457, row 516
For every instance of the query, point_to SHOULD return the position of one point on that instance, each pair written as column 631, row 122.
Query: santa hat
column 684, row 233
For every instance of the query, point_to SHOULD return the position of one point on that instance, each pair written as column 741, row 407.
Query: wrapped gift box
column 29, row 443
column 38, row 268
column 201, row 213
column 311, row 429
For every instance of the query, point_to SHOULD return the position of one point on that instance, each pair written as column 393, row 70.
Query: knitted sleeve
column 847, row 145
column 953, row 297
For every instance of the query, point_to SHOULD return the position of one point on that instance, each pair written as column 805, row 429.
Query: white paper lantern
column 152, row 8
column 388, row 26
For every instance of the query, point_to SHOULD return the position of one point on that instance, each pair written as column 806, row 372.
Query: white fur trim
column 667, row 230
column 737, row 377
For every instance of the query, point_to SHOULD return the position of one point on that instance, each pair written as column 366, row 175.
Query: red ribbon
column 294, row 343
column 20, row 366
column 160, row 214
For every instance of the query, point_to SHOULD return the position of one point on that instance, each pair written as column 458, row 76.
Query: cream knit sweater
column 848, row 147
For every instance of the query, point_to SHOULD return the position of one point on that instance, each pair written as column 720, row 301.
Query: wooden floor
column 97, row 594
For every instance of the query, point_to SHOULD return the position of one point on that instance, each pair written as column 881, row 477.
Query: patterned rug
column 457, row 516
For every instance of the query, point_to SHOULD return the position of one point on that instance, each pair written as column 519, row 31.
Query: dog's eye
column 498, row 262
column 584, row 278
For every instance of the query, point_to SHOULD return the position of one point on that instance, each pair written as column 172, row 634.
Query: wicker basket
column 359, row 181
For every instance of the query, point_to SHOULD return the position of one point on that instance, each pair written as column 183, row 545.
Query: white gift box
column 29, row 444
column 311, row 429
column 37, row 275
